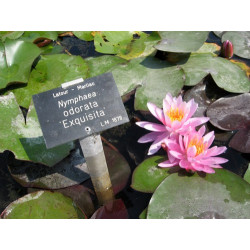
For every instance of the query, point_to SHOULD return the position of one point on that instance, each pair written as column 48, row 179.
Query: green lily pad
column 84, row 35
column 16, row 59
column 50, row 72
column 220, row 195
column 247, row 175
column 143, row 214
column 102, row 64
column 226, row 74
column 10, row 34
column 112, row 42
column 181, row 41
column 209, row 48
column 25, row 139
column 32, row 36
column 156, row 78
column 43, row 205
column 241, row 42
column 148, row 176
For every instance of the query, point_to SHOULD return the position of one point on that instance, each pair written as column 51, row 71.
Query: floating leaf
column 227, row 75
column 80, row 196
column 84, row 35
column 143, row 214
column 147, row 176
column 233, row 113
column 111, row 210
column 68, row 172
column 181, row 41
column 211, row 196
column 247, row 175
column 50, row 72
column 25, row 140
column 157, row 78
column 102, row 64
column 242, row 65
column 16, row 59
column 35, row 36
column 241, row 42
column 43, row 205
column 209, row 48
column 112, row 42
column 10, row 34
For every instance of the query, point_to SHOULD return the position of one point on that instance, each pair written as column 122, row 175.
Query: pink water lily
column 175, row 118
column 192, row 152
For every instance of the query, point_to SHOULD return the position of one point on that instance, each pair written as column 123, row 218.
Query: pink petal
column 169, row 98
column 168, row 164
column 191, row 152
column 194, row 122
column 208, row 170
column 215, row 151
column 156, row 112
column 156, row 145
column 216, row 166
column 181, row 143
column 212, row 161
column 176, row 154
column 185, row 164
column 192, row 107
column 172, row 145
column 209, row 138
column 179, row 101
column 151, row 126
column 198, row 167
column 149, row 137
column 202, row 131
column 175, row 125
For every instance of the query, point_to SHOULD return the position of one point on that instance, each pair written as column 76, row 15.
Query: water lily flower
column 227, row 49
column 175, row 118
column 192, row 152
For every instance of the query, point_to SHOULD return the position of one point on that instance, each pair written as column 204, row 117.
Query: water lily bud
column 227, row 49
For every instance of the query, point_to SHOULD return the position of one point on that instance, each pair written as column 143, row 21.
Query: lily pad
column 143, row 214
column 241, row 42
column 68, row 172
column 157, row 78
column 10, row 34
column 112, row 42
column 102, row 64
column 35, row 36
column 111, row 210
column 16, row 59
column 209, row 48
column 147, row 176
column 84, row 35
column 211, row 196
column 50, row 72
column 80, row 196
column 181, row 41
column 242, row 65
column 43, row 205
column 25, row 139
column 226, row 74
column 233, row 113
column 247, row 175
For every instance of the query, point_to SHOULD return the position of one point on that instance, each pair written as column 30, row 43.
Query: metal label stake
column 93, row 152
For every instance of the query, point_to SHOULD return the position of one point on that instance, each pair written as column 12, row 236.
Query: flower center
column 198, row 143
column 175, row 114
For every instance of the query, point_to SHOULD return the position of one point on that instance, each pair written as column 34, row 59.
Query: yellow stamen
column 175, row 114
column 198, row 143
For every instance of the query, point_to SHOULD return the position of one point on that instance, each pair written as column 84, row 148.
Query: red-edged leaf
column 111, row 210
